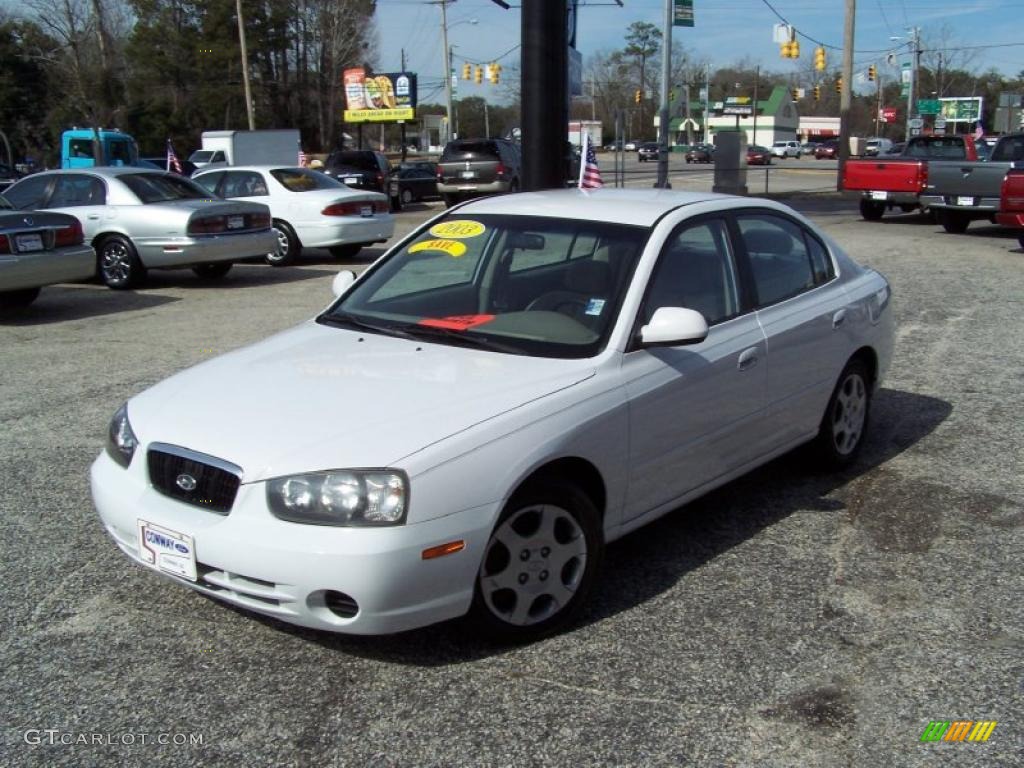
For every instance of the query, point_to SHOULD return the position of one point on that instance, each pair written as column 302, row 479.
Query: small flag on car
column 303, row 160
column 590, row 176
column 173, row 163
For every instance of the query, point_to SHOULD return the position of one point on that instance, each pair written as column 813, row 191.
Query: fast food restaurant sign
column 382, row 98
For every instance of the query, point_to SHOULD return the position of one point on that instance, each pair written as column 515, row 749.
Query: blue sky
column 725, row 32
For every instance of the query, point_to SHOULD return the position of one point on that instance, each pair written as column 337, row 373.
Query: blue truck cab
column 77, row 150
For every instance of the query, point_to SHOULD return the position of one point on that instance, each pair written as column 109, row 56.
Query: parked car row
column 132, row 220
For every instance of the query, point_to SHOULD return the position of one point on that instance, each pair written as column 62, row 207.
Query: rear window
column 161, row 188
column 302, row 180
column 1009, row 148
column 364, row 161
column 471, row 150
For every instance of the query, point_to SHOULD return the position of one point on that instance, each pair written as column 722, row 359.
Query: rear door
column 84, row 196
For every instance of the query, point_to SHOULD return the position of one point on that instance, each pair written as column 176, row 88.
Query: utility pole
column 757, row 85
column 915, row 60
column 844, row 94
column 663, row 117
column 545, row 92
column 245, row 67
column 447, row 70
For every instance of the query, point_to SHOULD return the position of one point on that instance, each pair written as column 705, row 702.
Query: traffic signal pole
column 544, row 93
column 663, row 115
column 844, row 94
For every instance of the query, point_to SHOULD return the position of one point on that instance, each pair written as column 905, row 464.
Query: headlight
column 356, row 497
column 121, row 441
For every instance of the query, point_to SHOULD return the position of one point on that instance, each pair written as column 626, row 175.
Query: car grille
column 193, row 478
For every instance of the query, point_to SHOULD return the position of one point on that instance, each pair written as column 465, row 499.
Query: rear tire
column 1020, row 240
column 213, row 270
column 871, row 210
column 954, row 222
column 406, row 196
column 842, row 429
column 13, row 300
column 539, row 564
column 119, row 265
column 288, row 245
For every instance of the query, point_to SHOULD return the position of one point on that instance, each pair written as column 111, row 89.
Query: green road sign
column 927, row 106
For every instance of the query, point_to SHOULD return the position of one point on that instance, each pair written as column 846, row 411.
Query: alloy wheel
column 849, row 414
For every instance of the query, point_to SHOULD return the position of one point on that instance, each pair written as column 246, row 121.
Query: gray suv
column 478, row 167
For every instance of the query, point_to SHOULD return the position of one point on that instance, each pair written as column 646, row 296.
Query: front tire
column 871, row 210
column 213, row 270
column 288, row 245
column 119, row 264
column 842, row 429
column 539, row 564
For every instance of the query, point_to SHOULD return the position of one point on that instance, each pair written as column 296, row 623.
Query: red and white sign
column 887, row 114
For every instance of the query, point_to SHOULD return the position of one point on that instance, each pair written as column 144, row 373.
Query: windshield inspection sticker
column 452, row 247
column 595, row 307
column 456, row 322
column 459, row 230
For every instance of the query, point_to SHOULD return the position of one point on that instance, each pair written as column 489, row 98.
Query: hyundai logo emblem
column 186, row 482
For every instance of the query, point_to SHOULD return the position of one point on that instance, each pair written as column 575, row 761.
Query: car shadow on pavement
column 58, row 304
column 655, row 558
column 240, row 276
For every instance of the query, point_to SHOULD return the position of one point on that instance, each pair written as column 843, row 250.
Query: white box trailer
column 579, row 127
column 266, row 147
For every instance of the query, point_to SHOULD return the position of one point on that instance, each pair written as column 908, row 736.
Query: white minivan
column 786, row 149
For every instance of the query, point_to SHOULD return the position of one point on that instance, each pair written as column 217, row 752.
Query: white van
column 786, row 149
column 877, row 146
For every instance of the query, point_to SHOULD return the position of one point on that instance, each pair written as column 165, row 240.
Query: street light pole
column 447, row 71
column 245, row 67
column 663, row 115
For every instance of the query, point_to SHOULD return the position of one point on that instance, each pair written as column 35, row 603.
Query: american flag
column 590, row 176
column 303, row 160
column 173, row 163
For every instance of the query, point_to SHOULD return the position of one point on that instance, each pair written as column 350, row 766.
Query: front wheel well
column 571, row 469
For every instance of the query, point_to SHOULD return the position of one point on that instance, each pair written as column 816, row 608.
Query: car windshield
column 162, row 187
column 304, row 180
column 516, row 284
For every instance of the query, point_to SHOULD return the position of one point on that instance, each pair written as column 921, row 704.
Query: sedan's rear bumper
column 456, row 188
column 342, row 230
column 36, row 269
column 157, row 252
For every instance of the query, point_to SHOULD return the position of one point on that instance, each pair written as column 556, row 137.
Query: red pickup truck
column 886, row 182
column 1011, row 203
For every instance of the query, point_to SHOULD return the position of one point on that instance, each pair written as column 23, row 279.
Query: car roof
column 264, row 168
column 642, row 207
column 107, row 171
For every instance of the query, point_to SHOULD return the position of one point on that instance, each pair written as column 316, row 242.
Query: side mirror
column 672, row 326
column 342, row 281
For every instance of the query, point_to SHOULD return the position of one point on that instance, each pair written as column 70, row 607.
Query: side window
column 28, row 193
column 120, row 153
column 77, row 189
column 209, row 181
column 244, row 184
column 821, row 262
column 779, row 260
column 80, row 148
column 695, row 270
column 218, row 157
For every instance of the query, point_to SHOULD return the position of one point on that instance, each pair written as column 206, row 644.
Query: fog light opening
column 340, row 604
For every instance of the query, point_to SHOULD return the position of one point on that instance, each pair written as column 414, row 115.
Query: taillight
column 259, row 220
column 207, row 225
column 69, row 235
column 1012, row 193
column 356, row 208
column 5, row 244
column 922, row 176
column 440, row 175
column 500, row 170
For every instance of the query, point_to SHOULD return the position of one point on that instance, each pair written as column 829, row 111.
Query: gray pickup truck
column 961, row 192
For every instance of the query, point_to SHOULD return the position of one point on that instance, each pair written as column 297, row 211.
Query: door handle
column 838, row 318
column 747, row 359
column 93, row 217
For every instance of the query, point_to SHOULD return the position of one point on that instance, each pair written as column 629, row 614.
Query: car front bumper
column 253, row 560
column 157, row 252
column 341, row 230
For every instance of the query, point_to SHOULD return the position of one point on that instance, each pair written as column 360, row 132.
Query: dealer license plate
column 965, row 201
column 30, row 242
column 468, row 174
column 366, row 210
column 352, row 180
column 167, row 550
column 236, row 222
column 879, row 195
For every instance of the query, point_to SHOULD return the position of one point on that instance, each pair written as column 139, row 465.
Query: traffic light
column 796, row 94
column 817, row 93
column 479, row 78
column 638, row 96
column 467, row 71
column 794, row 49
column 872, row 73
column 495, row 73
column 819, row 58
column 839, row 85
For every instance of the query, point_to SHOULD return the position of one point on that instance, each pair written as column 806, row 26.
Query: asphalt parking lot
column 788, row 619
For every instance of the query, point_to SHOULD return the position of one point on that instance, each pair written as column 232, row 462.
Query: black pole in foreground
column 544, row 94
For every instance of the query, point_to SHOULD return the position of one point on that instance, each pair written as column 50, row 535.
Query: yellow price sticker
column 452, row 247
column 460, row 229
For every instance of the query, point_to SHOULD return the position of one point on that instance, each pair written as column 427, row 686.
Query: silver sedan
column 139, row 220
column 36, row 249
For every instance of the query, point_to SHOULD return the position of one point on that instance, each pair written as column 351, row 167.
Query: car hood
column 317, row 398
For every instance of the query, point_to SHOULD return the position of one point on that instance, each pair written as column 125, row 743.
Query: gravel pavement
column 788, row 619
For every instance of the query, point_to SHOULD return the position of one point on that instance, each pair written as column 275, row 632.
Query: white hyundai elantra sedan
column 309, row 209
column 515, row 384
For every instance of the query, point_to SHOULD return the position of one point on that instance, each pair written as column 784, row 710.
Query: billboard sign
column 961, row 110
column 384, row 98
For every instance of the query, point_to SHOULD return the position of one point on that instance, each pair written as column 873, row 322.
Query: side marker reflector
column 444, row 549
